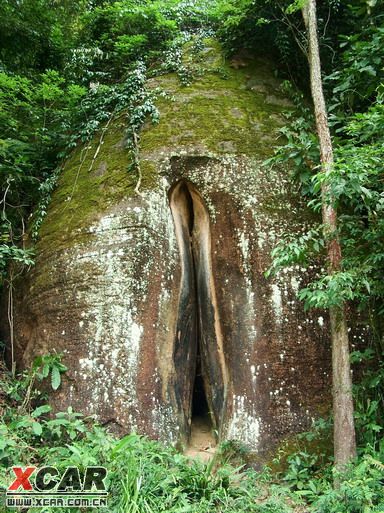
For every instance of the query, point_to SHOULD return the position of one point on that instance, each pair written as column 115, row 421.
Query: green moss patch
column 224, row 111
column 89, row 185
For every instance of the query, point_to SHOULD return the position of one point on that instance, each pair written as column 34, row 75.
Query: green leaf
column 295, row 6
column 45, row 370
column 45, row 408
column 37, row 428
column 55, row 378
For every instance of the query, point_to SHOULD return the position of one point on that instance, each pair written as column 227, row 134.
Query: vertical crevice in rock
column 198, row 332
column 185, row 343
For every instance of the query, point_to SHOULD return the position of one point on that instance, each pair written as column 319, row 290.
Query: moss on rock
column 224, row 111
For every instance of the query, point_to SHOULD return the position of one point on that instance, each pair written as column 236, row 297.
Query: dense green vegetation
column 84, row 64
column 146, row 477
column 353, row 85
column 65, row 69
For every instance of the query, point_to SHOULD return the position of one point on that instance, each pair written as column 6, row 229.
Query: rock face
column 139, row 290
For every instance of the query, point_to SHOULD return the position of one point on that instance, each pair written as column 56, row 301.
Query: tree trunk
column 344, row 429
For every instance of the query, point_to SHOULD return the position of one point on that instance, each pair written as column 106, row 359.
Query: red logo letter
column 22, row 478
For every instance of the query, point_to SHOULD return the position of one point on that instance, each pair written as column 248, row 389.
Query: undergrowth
column 144, row 476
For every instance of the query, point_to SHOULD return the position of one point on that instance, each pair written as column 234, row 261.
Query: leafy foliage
column 351, row 39
column 144, row 476
column 66, row 69
column 360, row 492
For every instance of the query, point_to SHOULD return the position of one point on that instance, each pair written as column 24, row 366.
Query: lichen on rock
column 105, row 288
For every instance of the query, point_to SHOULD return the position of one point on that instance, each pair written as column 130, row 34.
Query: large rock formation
column 134, row 289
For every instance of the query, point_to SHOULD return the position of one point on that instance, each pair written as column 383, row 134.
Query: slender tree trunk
column 344, row 429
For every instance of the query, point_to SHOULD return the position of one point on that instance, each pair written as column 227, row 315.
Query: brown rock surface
column 113, row 292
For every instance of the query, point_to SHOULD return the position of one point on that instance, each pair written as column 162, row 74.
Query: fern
column 375, row 463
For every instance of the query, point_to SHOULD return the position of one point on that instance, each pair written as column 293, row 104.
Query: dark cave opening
column 200, row 406
column 201, row 420
column 202, row 435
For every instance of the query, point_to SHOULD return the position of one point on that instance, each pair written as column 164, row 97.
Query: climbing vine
column 104, row 55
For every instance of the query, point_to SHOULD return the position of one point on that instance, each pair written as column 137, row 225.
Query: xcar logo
column 46, row 486
column 22, row 478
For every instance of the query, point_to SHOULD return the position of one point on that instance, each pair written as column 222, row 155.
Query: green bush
column 143, row 475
